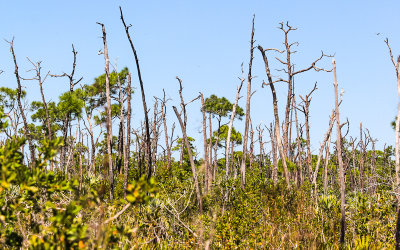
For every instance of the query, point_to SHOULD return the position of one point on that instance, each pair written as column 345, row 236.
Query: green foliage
column 236, row 136
column 221, row 107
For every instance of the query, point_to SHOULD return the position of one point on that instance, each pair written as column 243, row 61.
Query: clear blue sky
column 205, row 42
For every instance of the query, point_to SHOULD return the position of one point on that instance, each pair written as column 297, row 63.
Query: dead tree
column 299, row 147
column 183, row 109
column 327, row 135
column 362, row 154
column 148, row 139
column 251, row 144
column 397, row 149
column 339, row 157
column 155, row 133
column 274, row 154
column 164, row 119
column 210, row 164
column 228, row 140
column 67, row 118
column 207, row 177
column 326, row 162
column 289, row 70
column 306, row 110
column 108, row 112
column 37, row 68
column 128, row 133
column 262, row 153
column 276, row 114
column 21, row 109
column 246, row 126
column 186, row 141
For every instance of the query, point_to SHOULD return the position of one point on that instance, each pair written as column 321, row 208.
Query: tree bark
column 339, row 157
column 196, row 183
column 128, row 135
column 207, row 183
column 228, row 140
column 108, row 112
column 276, row 116
column 326, row 163
column 148, row 139
column 327, row 135
column 246, row 128
column 274, row 155
column 21, row 109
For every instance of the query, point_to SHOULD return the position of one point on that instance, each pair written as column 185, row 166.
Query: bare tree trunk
column 148, row 142
column 21, row 110
column 128, row 135
column 327, row 135
column 246, row 128
column 155, row 137
column 274, row 154
column 306, row 111
column 196, row 183
column 276, row 115
column 251, row 144
column 108, row 112
column 299, row 148
column 326, row 163
column 211, row 176
column 228, row 140
column 397, row 147
column 38, row 77
column 373, row 166
column 163, row 114
column 80, row 144
column 339, row 157
column 67, row 118
column 260, row 140
column 361, row 159
column 207, row 183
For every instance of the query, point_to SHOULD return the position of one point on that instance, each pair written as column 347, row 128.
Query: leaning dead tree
column 397, row 149
column 21, row 109
column 146, row 118
column 276, row 114
column 193, row 166
column 228, row 139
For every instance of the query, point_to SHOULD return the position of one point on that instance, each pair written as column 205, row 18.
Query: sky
column 205, row 43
